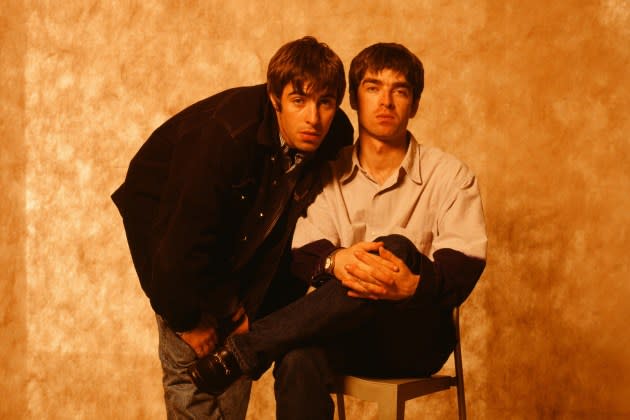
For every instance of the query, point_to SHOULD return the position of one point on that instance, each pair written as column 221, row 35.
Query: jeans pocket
column 174, row 352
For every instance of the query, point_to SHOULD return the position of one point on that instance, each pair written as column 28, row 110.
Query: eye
column 297, row 100
column 404, row 92
column 371, row 88
column 327, row 102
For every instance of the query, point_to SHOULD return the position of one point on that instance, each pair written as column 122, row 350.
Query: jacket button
column 261, row 215
column 244, row 238
column 243, row 197
column 273, row 158
column 274, row 183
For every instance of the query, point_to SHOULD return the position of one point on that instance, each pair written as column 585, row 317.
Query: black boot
column 216, row 372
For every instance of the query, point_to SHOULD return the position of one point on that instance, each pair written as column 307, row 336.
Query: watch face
column 328, row 264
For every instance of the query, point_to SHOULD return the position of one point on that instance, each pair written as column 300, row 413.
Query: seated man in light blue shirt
column 394, row 241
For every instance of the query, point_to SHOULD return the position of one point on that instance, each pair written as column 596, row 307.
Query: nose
column 386, row 99
column 312, row 113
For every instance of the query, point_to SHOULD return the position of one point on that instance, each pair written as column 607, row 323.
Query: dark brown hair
column 387, row 56
column 306, row 61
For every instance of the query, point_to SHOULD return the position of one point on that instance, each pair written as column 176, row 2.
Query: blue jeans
column 183, row 399
column 327, row 331
column 303, row 379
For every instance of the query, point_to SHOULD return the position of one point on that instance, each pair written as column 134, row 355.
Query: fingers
column 390, row 256
column 201, row 341
column 243, row 327
column 368, row 246
column 378, row 261
column 202, row 350
column 347, row 255
column 368, row 275
column 204, row 347
column 238, row 314
column 373, row 269
column 359, row 288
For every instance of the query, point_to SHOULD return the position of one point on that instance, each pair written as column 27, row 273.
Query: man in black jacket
column 209, row 204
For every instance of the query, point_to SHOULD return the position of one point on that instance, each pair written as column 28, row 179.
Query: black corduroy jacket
column 202, row 195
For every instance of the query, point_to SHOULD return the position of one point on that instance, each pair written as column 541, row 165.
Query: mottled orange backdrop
column 532, row 95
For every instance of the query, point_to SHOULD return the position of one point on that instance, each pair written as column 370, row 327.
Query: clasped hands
column 371, row 276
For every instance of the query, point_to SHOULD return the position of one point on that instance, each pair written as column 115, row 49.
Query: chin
column 310, row 148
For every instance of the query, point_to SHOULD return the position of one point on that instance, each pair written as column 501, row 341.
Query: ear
column 275, row 102
column 414, row 108
column 353, row 100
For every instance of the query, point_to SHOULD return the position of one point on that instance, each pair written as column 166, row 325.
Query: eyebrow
column 300, row 92
column 379, row 82
column 406, row 85
column 371, row 80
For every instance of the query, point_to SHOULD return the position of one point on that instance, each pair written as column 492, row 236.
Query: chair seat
column 375, row 389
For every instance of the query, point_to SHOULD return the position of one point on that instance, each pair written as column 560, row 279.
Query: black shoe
column 216, row 372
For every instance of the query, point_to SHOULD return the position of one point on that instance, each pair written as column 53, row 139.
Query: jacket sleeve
column 307, row 262
column 459, row 255
column 187, row 262
column 315, row 237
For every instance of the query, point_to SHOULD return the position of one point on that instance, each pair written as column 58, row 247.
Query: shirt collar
column 294, row 156
column 410, row 163
column 283, row 144
column 348, row 174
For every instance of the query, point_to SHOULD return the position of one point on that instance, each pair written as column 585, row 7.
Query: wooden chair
column 391, row 394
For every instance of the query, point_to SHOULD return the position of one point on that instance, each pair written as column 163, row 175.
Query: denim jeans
column 303, row 379
column 359, row 336
column 183, row 399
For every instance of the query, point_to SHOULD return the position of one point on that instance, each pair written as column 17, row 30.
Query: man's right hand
column 202, row 339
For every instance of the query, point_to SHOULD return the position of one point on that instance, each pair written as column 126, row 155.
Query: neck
column 380, row 159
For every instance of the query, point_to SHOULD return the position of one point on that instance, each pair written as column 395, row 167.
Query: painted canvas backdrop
column 532, row 96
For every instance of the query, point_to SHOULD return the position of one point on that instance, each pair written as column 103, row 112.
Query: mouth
column 386, row 117
column 310, row 135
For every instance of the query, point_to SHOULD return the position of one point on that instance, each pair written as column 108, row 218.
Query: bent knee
column 395, row 242
column 400, row 246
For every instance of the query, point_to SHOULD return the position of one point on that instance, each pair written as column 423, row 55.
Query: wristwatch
column 329, row 262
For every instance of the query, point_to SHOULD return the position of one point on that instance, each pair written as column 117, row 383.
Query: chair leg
column 461, row 400
column 459, row 368
column 391, row 409
column 341, row 406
